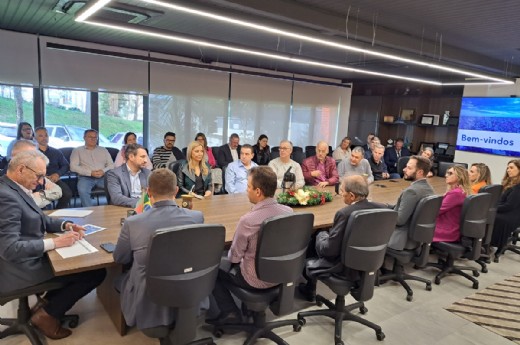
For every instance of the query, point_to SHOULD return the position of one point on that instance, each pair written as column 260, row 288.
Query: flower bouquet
column 305, row 196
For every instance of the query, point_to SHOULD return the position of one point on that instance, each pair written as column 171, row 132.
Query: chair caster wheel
column 363, row 310
column 475, row 285
column 380, row 336
column 437, row 280
column 485, row 270
column 496, row 259
column 73, row 323
column 319, row 303
column 409, row 298
column 340, row 343
column 297, row 327
column 429, row 287
column 475, row 273
column 218, row 332
column 302, row 321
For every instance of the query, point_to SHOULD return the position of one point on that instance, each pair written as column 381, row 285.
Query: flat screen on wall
column 490, row 125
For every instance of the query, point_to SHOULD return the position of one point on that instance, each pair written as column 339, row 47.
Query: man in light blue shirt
column 237, row 171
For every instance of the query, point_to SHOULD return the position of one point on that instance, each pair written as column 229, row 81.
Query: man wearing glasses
column 282, row 164
column 164, row 155
column 90, row 162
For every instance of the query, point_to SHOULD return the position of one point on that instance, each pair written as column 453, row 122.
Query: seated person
column 237, row 171
column 343, row 150
column 261, row 186
column 354, row 190
column 229, row 152
column 428, row 153
column 216, row 172
column 23, row 259
column 130, row 138
column 282, row 164
column 194, row 175
column 320, row 170
column 479, row 176
column 416, row 170
column 164, row 155
column 447, row 227
column 392, row 155
column 261, row 150
column 126, row 182
column 375, row 141
column 154, row 320
column 378, row 166
column 356, row 165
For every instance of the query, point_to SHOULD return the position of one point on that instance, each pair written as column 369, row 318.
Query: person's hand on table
column 323, row 184
column 67, row 239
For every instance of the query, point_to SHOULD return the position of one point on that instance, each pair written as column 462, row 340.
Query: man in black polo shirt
column 57, row 167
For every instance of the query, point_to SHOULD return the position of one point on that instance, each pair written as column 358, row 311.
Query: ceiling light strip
column 203, row 43
column 90, row 9
column 321, row 41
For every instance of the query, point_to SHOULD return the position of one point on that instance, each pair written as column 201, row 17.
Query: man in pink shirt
column 261, row 186
column 320, row 170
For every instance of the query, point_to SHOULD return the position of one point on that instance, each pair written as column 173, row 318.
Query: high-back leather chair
column 280, row 257
column 298, row 157
column 364, row 244
column 401, row 163
column 473, row 220
column 113, row 152
column 192, row 254
column 310, row 150
column 512, row 245
column 444, row 166
column 422, row 228
column 496, row 191
column 70, row 178
column 21, row 324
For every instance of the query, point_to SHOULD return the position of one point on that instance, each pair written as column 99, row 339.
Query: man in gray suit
column 416, row 170
column 154, row 320
column 23, row 262
column 126, row 182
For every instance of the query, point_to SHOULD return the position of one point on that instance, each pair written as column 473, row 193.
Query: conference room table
column 218, row 209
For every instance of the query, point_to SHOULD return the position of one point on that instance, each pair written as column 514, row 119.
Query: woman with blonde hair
column 447, row 228
column 194, row 174
column 479, row 176
column 508, row 208
column 343, row 150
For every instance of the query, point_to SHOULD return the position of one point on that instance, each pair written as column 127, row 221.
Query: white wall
column 497, row 164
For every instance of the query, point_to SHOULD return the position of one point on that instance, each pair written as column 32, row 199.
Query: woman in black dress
column 262, row 151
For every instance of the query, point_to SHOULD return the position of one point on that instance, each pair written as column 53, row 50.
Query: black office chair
column 310, row 151
column 275, row 263
column 105, row 188
column 275, row 149
column 174, row 166
column 189, row 276
column 444, row 166
column 297, row 149
column 401, row 164
column 422, row 228
column 70, row 178
column 275, row 154
column 113, row 152
column 364, row 244
column 511, row 245
column 485, row 257
column 298, row 157
column 185, row 152
column 21, row 324
column 473, row 219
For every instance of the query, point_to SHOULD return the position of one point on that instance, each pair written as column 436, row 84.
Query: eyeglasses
column 38, row 176
column 449, row 173
column 169, row 140
column 285, row 148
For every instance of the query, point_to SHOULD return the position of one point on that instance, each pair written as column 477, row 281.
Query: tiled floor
column 423, row 321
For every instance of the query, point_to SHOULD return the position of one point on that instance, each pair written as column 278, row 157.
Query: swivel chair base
column 400, row 276
column 259, row 328
column 448, row 266
column 512, row 246
column 339, row 312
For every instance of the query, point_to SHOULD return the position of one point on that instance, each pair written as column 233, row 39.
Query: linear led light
column 90, row 9
column 281, row 57
column 321, row 41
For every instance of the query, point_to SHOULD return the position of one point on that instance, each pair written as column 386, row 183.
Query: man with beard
column 416, row 170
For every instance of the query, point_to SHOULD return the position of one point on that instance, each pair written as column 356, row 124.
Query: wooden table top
column 218, row 209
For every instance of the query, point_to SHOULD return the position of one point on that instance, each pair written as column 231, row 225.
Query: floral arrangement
column 305, row 196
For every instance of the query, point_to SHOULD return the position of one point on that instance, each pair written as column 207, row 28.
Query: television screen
column 490, row 125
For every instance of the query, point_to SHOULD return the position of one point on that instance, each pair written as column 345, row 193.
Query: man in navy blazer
column 126, row 182
column 392, row 155
column 154, row 320
column 229, row 152
column 23, row 262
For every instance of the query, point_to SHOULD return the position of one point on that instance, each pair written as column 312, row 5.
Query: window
column 16, row 105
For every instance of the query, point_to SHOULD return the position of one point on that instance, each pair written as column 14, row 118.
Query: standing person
column 237, row 171
column 343, row 150
column 23, row 259
column 356, row 165
column 130, row 138
column 58, row 166
column 479, row 176
column 261, row 186
column 154, row 320
column 164, row 155
column 194, row 174
column 282, row 164
column 447, row 227
column 229, row 152
column 24, row 131
column 262, row 151
column 90, row 162
column 508, row 208
column 320, row 170
column 392, row 155
column 416, row 170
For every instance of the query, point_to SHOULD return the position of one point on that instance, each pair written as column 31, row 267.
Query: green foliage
column 316, row 197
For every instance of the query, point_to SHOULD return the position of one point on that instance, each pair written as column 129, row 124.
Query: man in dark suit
column 416, row 170
column 229, row 152
column 328, row 243
column 125, row 183
column 154, row 320
column 392, row 155
column 23, row 262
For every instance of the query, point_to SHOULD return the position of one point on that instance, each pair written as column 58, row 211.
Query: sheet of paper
column 90, row 229
column 81, row 247
column 71, row 213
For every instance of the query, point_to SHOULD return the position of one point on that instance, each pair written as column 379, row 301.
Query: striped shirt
column 243, row 248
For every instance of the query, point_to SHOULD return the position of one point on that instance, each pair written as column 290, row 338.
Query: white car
column 72, row 136
column 117, row 138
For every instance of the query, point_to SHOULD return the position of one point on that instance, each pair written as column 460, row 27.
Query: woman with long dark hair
column 262, row 151
column 24, row 131
column 130, row 138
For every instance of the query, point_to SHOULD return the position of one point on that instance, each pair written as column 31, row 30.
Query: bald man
column 320, row 170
